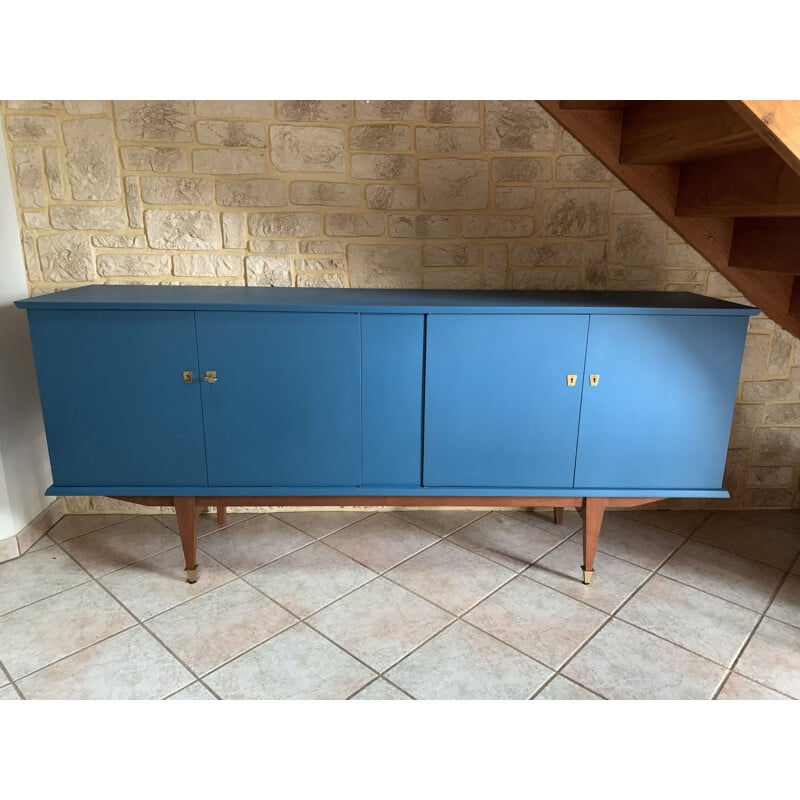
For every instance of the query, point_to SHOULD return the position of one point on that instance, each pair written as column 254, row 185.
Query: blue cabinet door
column 116, row 408
column 498, row 407
column 286, row 407
column 660, row 414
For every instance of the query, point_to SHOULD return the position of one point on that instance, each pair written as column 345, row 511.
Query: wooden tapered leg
column 558, row 515
column 186, row 512
column 592, row 513
column 222, row 514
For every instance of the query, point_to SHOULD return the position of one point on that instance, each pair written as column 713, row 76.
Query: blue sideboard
column 201, row 395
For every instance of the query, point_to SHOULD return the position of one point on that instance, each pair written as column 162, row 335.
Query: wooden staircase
column 724, row 174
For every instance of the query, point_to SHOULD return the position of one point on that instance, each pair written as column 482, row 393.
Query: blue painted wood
column 391, row 399
column 498, row 410
column 285, row 408
column 661, row 412
column 113, row 398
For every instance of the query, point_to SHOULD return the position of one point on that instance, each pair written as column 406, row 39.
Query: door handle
column 210, row 376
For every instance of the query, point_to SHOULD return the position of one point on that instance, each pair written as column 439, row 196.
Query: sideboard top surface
column 257, row 298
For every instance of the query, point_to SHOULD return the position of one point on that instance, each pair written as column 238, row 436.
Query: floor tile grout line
column 128, row 517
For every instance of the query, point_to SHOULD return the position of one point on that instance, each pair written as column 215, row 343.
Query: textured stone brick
column 570, row 144
column 153, row 120
column 92, row 159
column 521, row 170
column 321, row 247
column 273, row 246
column 114, row 264
column 314, row 110
column 88, row 218
column 558, row 254
column 133, row 202
column 384, row 266
column 251, row 192
column 780, row 446
column 423, row 226
column 177, row 191
column 325, row 193
column 637, row 242
column 229, row 162
column 770, row 476
column 748, row 414
column 756, row 353
column 79, row 107
column 183, row 230
column 230, row 133
column 546, row 279
column 783, row 414
column 307, row 149
column 581, row 168
column 41, row 104
column 286, row 223
column 768, row 391
column 454, row 279
column 383, row 167
column 452, row 183
column 33, row 265
column 595, row 264
column 326, row 280
column 31, row 128
column 233, row 108
column 741, row 437
column 768, row 498
column 447, row 112
column 717, row 286
column 781, row 353
column 52, row 171
column 389, row 109
column 119, row 240
column 35, row 219
column 474, row 226
column 513, row 198
column 626, row 202
column 155, row 159
column 29, row 174
column 519, row 125
column 355, row 224
column 683, row 255
column 450, row 255
column 380, row 137
column 207, row 265
column 495, row 266
column 448, row 140
column 66, row 257
column 267, row 271
column 573, row 212
column 319, row 264
column 391, row 198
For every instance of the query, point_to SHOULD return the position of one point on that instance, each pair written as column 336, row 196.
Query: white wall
column 24, row 465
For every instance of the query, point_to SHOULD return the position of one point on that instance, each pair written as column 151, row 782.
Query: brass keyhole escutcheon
column 187, row 376
column 594, row 380
column 572, row 380
column 210, row 376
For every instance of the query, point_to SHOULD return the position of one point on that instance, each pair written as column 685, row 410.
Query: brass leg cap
column 587, row 576
column 191, row 575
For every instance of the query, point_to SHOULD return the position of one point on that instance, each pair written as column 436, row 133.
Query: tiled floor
column 408, row 604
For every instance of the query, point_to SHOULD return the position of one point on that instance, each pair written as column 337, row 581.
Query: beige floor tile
column 561, row 688
column 73, row 525
column 723, row 574
column 36, row 575
column 542, row 518
column 772, row 657
column 464, row 663
column 740, row 688
column 310, row 578
column 129, row 666
column 195, row 691
column 450, row 576
column 625, row 663
column 380, row 623
column 57, row 626
column 119, row 545
column 683, row 523
column 750, row 537
column 44, row 542
column 298, row 664
column 380, row 690
column 250, row 544
column 700, row 622
column 321, row 523
column 381, row 541
column 786, row 606
column 442, row 523
column 614, row 580
column 505, row 539
column 626, row 538
column 219, row 625
column 9, row 693
column 206, row 523
column 545, row 624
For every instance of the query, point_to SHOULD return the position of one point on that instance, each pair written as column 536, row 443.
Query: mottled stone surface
column 448, row 140
column 35, row 219
column 66, row 257
column 29, row 174
column 114, row 264
column 626, row 202
column 556, row 254
column 307, row 149
column 380, row 137
column 384, row 266
column 33, row 265
column 285, row 224
column 326, row 193
column 519, row 125
column 23, row 128
column 513, row 198
column 92, row 159
column 314, row 110
column 388, row 197
column 273, row 246
column 637, row 243
column 183, row 230
column 777, row 446
column 546, row 279
column 382, row 167
column 321, row 247
column 595, row 264
column 389, row 109
column 233, row 108
column 326, row 280
column 495, row 263
column 446, row 278
column 133, row 202
column 78, row 107
column 229, row 162
column 496, row 227
column 119, row 240
column 153, row 120
column 266, row 271
column 233, row 230
column 355, row 224
column 573, row 212
column 447, row 112
column 52, row 171
column 450, row 255
column 581, row 168
column 770, row 476
column 254, row 192
column 682, row 255
column 784, row 414
column 453, row 183
column 177, row 191
column 521, row 170
column 208, row 265
column 229, row 133
column 155, row 159
column 423, row 226
column 89, row 218
column 38, row 104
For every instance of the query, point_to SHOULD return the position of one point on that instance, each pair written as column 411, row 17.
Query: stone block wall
column 385, row 193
